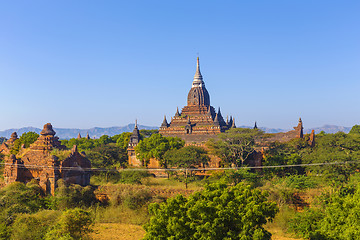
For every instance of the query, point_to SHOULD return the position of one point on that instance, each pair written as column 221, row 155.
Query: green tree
column 107, row 156
column 18, row 198
column 71, row 195
column 236, row 145
column 26, row 139
column 25, row 224
column 283, row 154
column 103, row 140
column 82, row 144
column 337, row 219
column 330, row 148
column 217, row 212
column 123, row 139
column 186, row 158
column 233, row 177
column 147, row 133
column 156, row 146
column 355, row 129
column 73, row 224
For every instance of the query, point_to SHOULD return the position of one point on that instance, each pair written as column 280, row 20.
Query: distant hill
column 325, row 128
column 329, row 129
column 67, row 133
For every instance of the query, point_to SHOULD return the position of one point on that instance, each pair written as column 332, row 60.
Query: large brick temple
column 198, row 121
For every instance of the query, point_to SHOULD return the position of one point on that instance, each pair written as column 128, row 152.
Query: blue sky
column 81, row 64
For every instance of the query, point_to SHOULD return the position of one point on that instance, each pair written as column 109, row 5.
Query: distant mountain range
column 325, row 128
column 96, row 132
column 67, row 133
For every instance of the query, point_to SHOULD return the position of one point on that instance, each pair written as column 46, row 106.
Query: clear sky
column 81, row 64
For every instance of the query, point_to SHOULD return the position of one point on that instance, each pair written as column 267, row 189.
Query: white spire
column 198, row 79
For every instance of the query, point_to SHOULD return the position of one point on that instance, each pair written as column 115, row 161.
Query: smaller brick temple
column 133, row 142
column 6, row 146
column 198, row 120
column 39, row 162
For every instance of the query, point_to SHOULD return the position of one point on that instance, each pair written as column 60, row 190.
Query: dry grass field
column 119, row 231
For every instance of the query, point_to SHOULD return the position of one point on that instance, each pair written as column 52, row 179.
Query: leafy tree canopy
column 107, row 156
column 122, row 140
column 338, row 219
column 218, row 212
column 18, row 198
column 155, row 146
column 26, row 139
column 236, row 145
column 147, row 133
column 73, row 224
column 187, row 157
column 355, row 129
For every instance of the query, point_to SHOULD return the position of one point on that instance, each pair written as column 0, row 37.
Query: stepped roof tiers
column 198, row 121
column 38, row 162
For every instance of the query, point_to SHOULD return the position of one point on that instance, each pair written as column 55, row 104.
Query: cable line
column 22, row 165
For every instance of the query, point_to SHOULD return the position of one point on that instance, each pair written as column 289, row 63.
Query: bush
column 234, row 177
column 300, row 182
column 25, row 224
column 73, row 224
column 18, row 198
column 338, row 219
column 71, row 195
column 132, row 198
column 305, row 224
column 5, row 231
column 128, row 176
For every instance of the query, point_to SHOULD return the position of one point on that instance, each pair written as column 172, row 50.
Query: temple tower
column 198, row 121
column 133, row 142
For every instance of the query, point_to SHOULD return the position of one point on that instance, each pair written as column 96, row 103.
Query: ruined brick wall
column 75, row 168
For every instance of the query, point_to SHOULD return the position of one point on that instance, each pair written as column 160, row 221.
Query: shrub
column 73, row 224
column 128, row 176
column 338, row 219
column 4, row 231
column 72, row 195
column 18, row 198
column 132, row 198
column 25, row 224
column 305, row 224
column 300, row 182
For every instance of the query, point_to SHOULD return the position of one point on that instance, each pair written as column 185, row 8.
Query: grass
column 117, row 231
column 120, row 231
column 171, row 183
column 121, row 214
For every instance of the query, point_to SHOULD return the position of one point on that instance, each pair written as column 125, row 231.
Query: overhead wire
column 78, row 168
